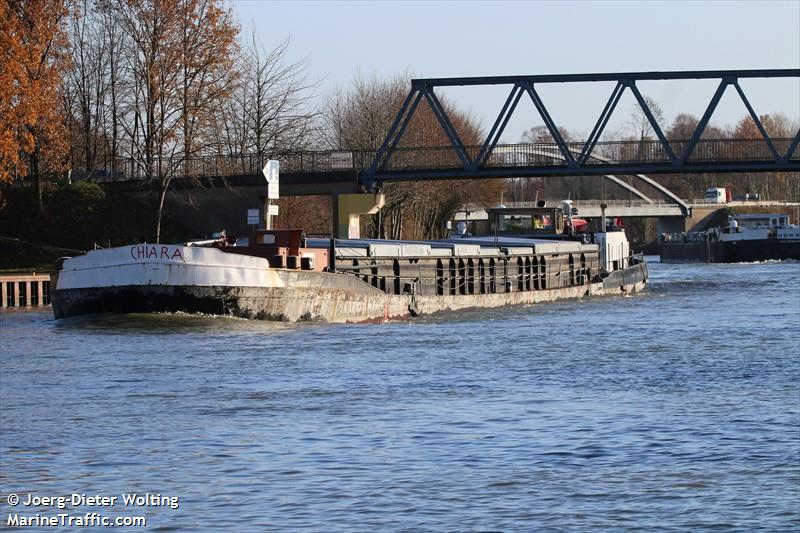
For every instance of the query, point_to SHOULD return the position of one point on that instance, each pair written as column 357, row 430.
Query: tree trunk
column 162, row 197
column 114, row 126
column 37, row 181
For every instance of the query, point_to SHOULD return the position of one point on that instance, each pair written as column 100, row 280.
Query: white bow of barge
column 282, row 276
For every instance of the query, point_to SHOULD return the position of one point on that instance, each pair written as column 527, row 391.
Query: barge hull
column 311, row 296
column 744, row 251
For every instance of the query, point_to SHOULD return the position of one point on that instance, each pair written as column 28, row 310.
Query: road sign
column 271, row 171
column 272, row 191
column 272, row 210
column 252, row 217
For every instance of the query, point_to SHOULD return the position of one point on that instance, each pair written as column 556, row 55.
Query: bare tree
column 269, row 109
column 360, row 118
column 86, row 85
column 541, row 135
column 779, row 125
column 175, row 78
column 153, row 109
column 684, row 126
column 638, row 124
column 114, row 41
column 275, row 99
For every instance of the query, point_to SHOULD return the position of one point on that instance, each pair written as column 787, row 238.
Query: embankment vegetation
column 73, row 218
column 99, row 89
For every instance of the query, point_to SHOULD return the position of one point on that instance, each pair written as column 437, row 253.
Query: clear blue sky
column 444, row 39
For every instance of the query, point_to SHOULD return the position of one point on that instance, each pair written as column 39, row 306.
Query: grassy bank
column 75, row 218
column 23, row 257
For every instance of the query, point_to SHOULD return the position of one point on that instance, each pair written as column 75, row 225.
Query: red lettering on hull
column 144, row 252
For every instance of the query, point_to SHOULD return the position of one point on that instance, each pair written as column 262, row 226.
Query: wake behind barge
column 280, row 275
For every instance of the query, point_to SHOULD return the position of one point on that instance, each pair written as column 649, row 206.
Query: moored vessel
column 746, row 238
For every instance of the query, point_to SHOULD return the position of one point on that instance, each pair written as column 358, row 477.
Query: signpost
column 271, row 172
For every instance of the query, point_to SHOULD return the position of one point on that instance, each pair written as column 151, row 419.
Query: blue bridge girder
column 662, row 156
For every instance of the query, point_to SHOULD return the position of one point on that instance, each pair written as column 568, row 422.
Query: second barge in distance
column 280, row 275
column 747, row 238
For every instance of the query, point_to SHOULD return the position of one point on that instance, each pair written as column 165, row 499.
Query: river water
column 678, row 409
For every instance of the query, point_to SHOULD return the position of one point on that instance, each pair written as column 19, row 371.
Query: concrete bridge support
column 702, row 217
column 347, row 210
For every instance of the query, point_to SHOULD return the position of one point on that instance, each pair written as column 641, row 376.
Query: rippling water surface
column 677, row 409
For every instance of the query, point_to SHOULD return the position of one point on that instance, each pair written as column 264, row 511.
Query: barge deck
column 283, row 276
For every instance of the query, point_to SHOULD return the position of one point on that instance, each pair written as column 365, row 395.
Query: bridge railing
column 604, row 153
column 579, row 204
column 446, row 158
column 298, row 161
column 623, row 203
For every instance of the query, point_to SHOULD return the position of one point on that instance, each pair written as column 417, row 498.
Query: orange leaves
column 33, row 61
column 746, row 129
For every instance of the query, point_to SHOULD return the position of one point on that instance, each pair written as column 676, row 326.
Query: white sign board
column 272, row 210
column 272, row 191
column 252, row 217
column 271, row 171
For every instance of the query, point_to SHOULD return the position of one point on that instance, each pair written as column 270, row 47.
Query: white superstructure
column 614, row 250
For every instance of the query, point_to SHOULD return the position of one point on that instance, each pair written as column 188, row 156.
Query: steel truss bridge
column 325, row 172
column 693, row 155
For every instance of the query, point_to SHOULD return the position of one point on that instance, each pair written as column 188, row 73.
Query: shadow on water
column 38, row 323
column 167, row 323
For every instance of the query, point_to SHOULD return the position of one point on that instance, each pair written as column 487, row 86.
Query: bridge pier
column 347, row 210
column 705, row 216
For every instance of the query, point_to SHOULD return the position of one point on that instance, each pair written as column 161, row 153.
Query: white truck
column 717, row 195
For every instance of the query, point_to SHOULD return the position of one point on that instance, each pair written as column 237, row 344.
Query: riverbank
column 74, row 218
column 19, row 256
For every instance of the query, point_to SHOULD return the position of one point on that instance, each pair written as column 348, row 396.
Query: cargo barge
column 283, row 276
column 747, row 238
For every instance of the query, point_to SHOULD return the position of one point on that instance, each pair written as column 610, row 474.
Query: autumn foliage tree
column 33, row 44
